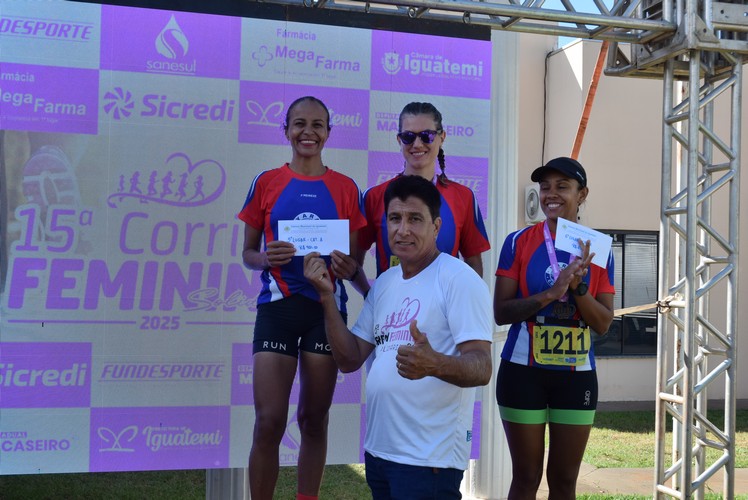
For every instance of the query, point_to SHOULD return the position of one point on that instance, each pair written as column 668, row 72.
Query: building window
column 635, row 254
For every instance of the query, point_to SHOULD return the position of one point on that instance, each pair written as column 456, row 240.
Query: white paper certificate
column 321, row 236
column 569, row 233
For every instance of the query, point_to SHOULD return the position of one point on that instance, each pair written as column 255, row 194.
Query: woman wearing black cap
column 547, row 372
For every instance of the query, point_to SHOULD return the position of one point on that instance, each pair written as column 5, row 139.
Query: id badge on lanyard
column 555, row 344
column 550, row 248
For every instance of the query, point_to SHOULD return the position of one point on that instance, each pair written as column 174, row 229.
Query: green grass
column 341, row 482
column 152, row 485
column 619, row 439
column 627, row 439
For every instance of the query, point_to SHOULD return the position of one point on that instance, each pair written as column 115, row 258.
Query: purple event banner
column 347, row 391
column 159, row 438
column 45, row 374
column 264, row 105
column 174, row 43
column 468, row 171
column 401, row 62
column 125, row 308
column 48, row 99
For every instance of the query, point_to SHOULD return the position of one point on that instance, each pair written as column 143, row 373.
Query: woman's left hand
column 344, row 266
column 580, row 266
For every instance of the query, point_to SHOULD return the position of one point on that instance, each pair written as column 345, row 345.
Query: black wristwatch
column 581, row 289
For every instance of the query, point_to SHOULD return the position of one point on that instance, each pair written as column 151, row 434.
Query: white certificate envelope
column 569, row 233
column 321, row 236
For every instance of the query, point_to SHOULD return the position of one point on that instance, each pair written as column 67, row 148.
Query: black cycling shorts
column 289, row 325
column 530, row 395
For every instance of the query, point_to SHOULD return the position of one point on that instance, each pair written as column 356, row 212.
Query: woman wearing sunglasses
column 420, row 137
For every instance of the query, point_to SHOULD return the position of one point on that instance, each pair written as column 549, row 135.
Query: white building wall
column 622, row 155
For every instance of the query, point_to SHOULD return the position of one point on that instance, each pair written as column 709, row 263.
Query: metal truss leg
column 698, row 261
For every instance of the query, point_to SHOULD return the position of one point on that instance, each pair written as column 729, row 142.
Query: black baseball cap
column 567, row 166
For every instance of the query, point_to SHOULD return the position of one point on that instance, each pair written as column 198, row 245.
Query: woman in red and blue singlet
column 289, row 328
column 421, row 135
column 554, row 303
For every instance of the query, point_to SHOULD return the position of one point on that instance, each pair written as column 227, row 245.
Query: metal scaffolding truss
column 699, row 264
column 621, row 23
column 639, row 22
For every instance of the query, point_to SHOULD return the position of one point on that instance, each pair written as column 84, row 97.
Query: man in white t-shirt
column 430, row 321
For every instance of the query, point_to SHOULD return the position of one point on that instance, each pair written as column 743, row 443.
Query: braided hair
column 426, row 108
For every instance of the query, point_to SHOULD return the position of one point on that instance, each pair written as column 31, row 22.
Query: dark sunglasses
column 426, row 136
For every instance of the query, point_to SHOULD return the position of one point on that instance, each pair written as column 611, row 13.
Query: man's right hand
column 315, row 271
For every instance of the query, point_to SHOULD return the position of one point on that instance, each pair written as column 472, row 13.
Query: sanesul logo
column 119, row 103
column 172, row 43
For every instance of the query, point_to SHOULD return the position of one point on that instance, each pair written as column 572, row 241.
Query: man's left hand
column 418, row 360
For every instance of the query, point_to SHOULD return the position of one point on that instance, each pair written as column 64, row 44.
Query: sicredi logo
column 29, row 27
column 173, row 45
column 45, row 375
column 13, row 376
column 120, row 103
